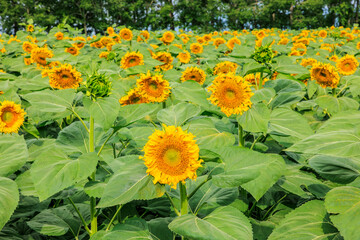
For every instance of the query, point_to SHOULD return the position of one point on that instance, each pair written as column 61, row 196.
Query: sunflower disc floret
column 171, row 156
column 231, row 93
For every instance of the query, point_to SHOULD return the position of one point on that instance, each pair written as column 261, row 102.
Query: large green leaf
column 223, row 223
column 207, row 135
column 287, row 126
column 104, row 110
column 191, row 91
column 333, row 105
column 178, row 114
column 54, row 171
column 131, row 113
column 129, row 182
column 256, row 172
column 344, row 203
column 13, row 153
column 9, row 198
column 307, row 222
column 255, row 119
column 49, row 223
column 342, row 121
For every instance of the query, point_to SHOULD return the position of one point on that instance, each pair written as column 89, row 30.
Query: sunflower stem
column 241, row 136
column 113, row 218
column 334, row 92
column 183, row 198
column 163, row 104
column 261, row 79
column 172, row 203
column 80, row 216
column 93, row 218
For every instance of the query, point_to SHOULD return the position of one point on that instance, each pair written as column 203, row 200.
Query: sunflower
column 193, row 73
column 201, row 40
column 27, row 60
column 185, row 38
column 166, row 58
column 196, row 48
column 30, row 28
column 64, row 76
column 231, row 93
column 231, row 43
column 11, row 117
column 347, row 65
column 171, row 156
column 143, row 36
column 59, row 35
column 28, row 46
column 104, row 55
column 184, row 57
column 300, row 48
column 323, row 33
column 178, row 46
column 283, row 41
column 218, row 42
column 153, row 88
column 1, row 93
column 261, row 34
column 126, row 34
column 308, row 62
column 225, row 67
column 325, row 75
column 80, row 42
column 254, row 79
column 132, row 59
column 133, row 97
column 39, row 55
column 73, row 50
column 334, row 58
column 110, row 30
column 97, row 44
column 358, row 45
column 167, row 37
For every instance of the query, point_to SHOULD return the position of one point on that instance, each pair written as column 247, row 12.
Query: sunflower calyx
column 263, row 54
column 98, row 86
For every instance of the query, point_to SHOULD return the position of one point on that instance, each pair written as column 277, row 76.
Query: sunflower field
column 180, row 135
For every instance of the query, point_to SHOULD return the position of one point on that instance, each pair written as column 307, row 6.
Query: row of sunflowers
column 164, row 135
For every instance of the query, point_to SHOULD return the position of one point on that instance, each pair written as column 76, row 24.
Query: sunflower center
column 7, row 116
column 153, row 86
column 172, row 157
column 230, row 94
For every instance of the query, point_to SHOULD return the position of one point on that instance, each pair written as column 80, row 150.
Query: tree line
column 200, row 15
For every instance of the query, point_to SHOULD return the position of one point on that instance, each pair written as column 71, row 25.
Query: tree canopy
column 201, row 15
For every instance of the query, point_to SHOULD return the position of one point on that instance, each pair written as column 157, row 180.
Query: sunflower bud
column 98, row 86
column 263, row 54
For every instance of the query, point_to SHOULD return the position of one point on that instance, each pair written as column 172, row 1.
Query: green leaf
column 333, row 105
column 51, row 101
column 344, row 203
column 178, row 114
column 192, row 92
column 223, row 223
column 104, row 110
column 54, row 171
column 263, row 95
column 13, row 153
column 255, row 172
column 9, row 198
column 286, row 99
column 255, row 119
column 342, row 121
column 207, row 136
column 26, row 184
column 284, row 85
column 49, row 223
column 132, row 113
column 292, row 69
column 129, row 183
column 287, row 126
column 336, row 169
column 306, row 222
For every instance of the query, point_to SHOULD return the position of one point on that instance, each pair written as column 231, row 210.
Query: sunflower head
column 225, row 67
column 196, row 48
column 73, row 50
column 131, row 59
column 193, row 73
column 171, row 156
column 153, row 88
column 263, row 54
column 30, row 28
column 165, row 58
column 231, row 43
column 231, row 93
column 323, row 33
column 28, row 46
column 168, row 37
column 184, row 57
column 80, row 42
column 347, row 65
column 132, row 97
column 98, row 86
column 126, row 34
column 218, row 42
column 64, row 76
column 104, row 55
column 308, row 62
column 143, row 36
column 39, row 55
column 110, row 30
column 325, row 75
column 11, row 117
column 59, row 35
column 27, row 60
